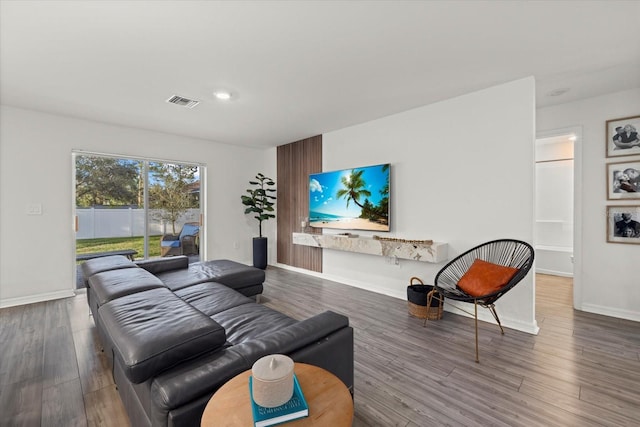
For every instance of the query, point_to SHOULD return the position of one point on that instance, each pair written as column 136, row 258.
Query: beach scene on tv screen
column 350, row 199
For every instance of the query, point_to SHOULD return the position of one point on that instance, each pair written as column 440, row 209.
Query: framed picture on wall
column 623, row 180
column 623, row 224
column 622, row 136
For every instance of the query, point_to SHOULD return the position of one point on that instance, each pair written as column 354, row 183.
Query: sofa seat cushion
column 250, row 291
column 159, row 265
column 179, row 279
column 170, row 243
column 212, row 298
column 154, row 330
column 113, row 284
column 98, row 265
column 229, row 273
column 249, row 321
column 233, row 274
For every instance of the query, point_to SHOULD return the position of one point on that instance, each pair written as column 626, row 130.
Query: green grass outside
column 87, row 246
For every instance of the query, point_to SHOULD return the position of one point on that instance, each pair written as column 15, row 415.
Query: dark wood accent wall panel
column 295, row 162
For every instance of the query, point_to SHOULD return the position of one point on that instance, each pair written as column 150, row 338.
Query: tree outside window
column 174, row 188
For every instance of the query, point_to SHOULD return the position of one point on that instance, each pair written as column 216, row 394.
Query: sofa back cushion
column 230, row 273
column 212, row 298
column 113, row 284
column 98, row 265
column 154, row 330
column 247, row 322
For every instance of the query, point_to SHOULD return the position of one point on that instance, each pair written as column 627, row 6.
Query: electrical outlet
column 392, row 260
column 34, row 209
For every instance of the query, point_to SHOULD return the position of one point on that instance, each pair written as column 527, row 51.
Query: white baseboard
column 12, row 302
column 298, row 270
column 611, row 312
column 356, row 284
column 483, row 315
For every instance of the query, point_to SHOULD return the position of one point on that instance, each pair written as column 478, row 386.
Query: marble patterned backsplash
column 425, row 252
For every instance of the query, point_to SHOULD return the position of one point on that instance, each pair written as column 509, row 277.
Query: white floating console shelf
column 435, row 252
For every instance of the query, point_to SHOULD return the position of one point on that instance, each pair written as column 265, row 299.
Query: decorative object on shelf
column 623, row 180
column 622, row 136
column 347, row 235
column 623, row 224
column 413, row 242
column 304, row 222
column 260, row 201
column 423, row 301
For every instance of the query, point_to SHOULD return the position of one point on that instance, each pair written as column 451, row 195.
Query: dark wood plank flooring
column 582, row 369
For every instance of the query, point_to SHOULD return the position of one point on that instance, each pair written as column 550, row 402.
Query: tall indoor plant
column 260, row 201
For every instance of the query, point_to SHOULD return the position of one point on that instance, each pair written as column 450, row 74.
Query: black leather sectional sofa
column 175, row 332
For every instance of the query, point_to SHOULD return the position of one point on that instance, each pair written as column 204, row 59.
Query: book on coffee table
column 295, row 408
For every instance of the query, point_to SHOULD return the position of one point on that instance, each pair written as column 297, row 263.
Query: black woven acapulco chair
column 504, row 252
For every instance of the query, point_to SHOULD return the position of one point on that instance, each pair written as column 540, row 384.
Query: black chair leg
column 493, row 311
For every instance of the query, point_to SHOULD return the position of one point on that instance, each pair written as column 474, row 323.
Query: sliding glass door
column 174, row 205
column 136, row 207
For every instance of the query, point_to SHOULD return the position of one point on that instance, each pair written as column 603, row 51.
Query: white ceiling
column 298, row 69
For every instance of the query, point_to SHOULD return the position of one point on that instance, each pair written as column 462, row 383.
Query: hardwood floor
column 52, row 372
column 582, row 369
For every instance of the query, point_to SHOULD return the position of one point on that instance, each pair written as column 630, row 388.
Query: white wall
column 36, row 258
column 609, row 282
column 462, row 172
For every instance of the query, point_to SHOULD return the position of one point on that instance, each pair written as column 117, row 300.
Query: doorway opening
column 553, row 234
column 557, row 239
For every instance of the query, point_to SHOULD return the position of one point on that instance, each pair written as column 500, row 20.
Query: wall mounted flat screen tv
column 350, row 199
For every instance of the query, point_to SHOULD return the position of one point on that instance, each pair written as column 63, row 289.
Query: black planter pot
column 260, row 252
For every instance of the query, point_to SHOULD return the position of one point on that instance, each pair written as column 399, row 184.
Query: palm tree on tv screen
column 354, row 188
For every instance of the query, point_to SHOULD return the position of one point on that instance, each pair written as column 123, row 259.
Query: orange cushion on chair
column 485, row 278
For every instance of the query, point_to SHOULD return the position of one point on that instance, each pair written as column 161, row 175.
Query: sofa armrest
column 325, row 340
column 205, row 375
column 292, row 338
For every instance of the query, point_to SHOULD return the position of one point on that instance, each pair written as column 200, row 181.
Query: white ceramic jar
column 272, row 380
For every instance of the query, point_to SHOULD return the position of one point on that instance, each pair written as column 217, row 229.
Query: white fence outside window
column 103, row 223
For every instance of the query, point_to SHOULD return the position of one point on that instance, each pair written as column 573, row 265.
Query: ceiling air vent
column 183, row 102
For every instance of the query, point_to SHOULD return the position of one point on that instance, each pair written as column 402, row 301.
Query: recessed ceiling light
column 222, row 95
column 558, row 92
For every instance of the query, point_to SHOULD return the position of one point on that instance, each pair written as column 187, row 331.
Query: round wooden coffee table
column 329, row 400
